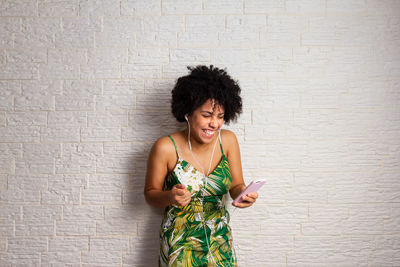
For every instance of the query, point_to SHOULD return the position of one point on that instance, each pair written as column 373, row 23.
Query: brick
column 18, row 8
column 103, row 56
column 103, row 258
column 341, row 6
column 114, row 38
column 109, row 244
column 132, row 71
column 146, row 56
column 142, row 250
column 173, row 70
column 103, row 189
column 127, row 88
column 60, row 134
column 27, row 56
column 223, row 7
column 38, row 32
column 68, row 56
column 319, row 224
column 37, row 221
column 315, row 123
column 385, row 253
column 169, row 24
column 146, row 8
column 56, row 71
column 97, row 8
column 364, row 93
column 324, row 94
column 68, row 244
column 310, row 251
column 366, row 219
column 157, row 39
column 67, row 118
column 118, row 157
column 112, row 71
column 20, row 134
column 38, row 158
column 64, row 189
column 114, row 118
column 9, row 89
column 181, row 7
column 205, row 24
column 305, row 6
column 283, row 31
column 70, row 102
column 37, row 118
column 79, row 158
column 20, row 71
column 10, row 25
column 119, row 220
column 115, row 102
column 243, row 22
column 58, row 259
column 342, row 30
column 310, row 188
column 284, row 220
column 18, row 245
column 319, row 155
column 56, row 8
column 275, row 256
column 9, row 213
column 161, row 86
column 293, row 152
column 38, row 95
column 389, row 7
column 100, row 134
column 197, row 39
column 78, row 39
column 83, row 88
column 74, row 228
column 351, row 249
column 258, row 6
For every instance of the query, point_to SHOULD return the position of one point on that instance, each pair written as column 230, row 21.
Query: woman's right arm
column 157, row 170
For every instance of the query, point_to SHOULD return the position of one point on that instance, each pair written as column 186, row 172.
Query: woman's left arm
column 235, row 166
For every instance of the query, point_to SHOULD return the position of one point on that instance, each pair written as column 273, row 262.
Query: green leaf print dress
column 198, row 234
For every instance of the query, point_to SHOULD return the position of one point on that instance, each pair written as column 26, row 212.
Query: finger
column 249, row 199
column 253, row 195
column 180, row 186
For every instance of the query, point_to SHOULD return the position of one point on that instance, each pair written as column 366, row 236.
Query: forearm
column 158, row 198
column 236, row 190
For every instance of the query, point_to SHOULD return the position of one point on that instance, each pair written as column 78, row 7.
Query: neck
column 201, row 147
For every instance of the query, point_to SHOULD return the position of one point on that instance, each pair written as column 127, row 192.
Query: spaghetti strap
column 170, row 137
column 220, row 142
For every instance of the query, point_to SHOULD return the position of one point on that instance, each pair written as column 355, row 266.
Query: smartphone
column 252, row 187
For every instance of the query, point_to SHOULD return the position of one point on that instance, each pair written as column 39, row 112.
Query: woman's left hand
column 247, row 200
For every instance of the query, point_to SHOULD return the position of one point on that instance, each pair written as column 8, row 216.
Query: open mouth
column 208, row 133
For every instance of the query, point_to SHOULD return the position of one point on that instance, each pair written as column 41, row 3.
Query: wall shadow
column 148, row 122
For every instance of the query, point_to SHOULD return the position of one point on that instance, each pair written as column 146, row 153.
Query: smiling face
column 206, row 121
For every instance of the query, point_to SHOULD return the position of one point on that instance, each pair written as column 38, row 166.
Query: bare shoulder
column 229, row 141
column 163, row 148
column 228, row 137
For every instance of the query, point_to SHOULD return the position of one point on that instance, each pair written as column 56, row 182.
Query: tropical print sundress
column 198, row 234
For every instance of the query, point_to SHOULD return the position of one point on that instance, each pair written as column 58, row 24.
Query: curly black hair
column 203, row 83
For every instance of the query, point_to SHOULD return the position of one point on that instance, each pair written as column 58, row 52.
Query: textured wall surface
column 84, row 92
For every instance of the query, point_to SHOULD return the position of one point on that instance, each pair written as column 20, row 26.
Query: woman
column 188, row 173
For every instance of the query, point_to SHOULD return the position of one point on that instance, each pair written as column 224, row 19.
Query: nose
column 213, row 122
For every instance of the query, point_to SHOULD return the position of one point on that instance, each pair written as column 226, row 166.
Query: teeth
column 209, row 132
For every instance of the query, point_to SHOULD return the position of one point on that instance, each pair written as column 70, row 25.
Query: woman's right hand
column 179, row 195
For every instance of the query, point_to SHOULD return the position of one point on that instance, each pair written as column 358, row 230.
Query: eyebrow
column 209, row 112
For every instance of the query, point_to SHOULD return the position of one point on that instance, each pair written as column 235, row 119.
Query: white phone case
column 252, row 187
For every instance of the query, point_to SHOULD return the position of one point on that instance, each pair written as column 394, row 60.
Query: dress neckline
column 197, row 170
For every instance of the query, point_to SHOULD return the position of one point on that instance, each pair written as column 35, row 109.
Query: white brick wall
column 84, row 92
